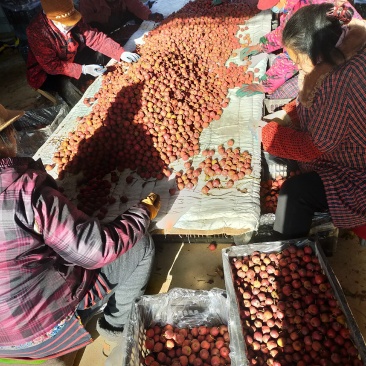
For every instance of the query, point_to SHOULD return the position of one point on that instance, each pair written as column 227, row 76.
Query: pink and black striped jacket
column 49, row 250
column 283, row 67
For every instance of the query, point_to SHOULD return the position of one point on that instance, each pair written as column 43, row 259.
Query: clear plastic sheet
column 275, row 247
column 179, row 307
column 35, row 118
column 37, row 125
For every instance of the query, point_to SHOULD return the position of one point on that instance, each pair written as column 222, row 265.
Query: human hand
column 248, row 90
column 280, row 117
column 129, row 57
column 255, row 128
column 93, row 70
column 152, row 203
column 250, row 51
column 156, row 17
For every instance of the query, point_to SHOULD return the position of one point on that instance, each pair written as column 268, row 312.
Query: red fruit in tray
column 158, row 347
column 205, row 345
column 123, row 199
column 169, row 344
column 179, row 338
column 215, row 361
column 197, row 362
column 129, row 179
column 150, row 333
column 313, row 309
column 183, row 360
column 204, row 354
column 149, row 359
column 194, row 332
column 169, row 334
column 162, row 357
column 224, row 352
column 195, row 345
column 149, row 343
column 214, row 331
column 345, row 333
column 212, row 246
column 320, row 278
column 219, row 343
column 186, row 350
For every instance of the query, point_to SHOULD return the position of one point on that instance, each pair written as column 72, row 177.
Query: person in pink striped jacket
column 279, row 81
column 58, row 264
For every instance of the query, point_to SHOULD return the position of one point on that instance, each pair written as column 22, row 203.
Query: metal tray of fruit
column 235, row 323
column 182, row 308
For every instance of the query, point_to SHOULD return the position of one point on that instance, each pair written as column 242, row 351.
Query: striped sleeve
column 84, row 240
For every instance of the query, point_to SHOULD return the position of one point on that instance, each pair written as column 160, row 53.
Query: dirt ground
column 15, row 93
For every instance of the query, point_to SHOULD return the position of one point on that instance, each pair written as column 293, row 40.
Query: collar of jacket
column 21, row 163
column 353, row 42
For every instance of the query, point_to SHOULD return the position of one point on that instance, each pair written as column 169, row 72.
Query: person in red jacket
column 327, row 132
column 108, row 15
column 59, row 49
column 59, row 264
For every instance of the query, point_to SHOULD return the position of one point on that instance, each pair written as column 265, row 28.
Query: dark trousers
column 299, row 198
column 70, row 89
column 20, row 20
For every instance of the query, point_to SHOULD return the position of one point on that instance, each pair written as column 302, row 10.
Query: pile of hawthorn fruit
column 197, row 346
column 288, row 311
column 151, row 113
column 269, row 191
column 222, row 168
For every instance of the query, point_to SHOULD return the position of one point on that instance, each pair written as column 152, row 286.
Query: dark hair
column 314, row 30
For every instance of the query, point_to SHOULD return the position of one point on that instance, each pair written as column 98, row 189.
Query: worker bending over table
column 57, row 262
column 109, row 15
column 326, row 130
column 59, row 50
column 280, row 80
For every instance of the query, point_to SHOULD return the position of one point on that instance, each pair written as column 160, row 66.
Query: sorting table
column 228, row 211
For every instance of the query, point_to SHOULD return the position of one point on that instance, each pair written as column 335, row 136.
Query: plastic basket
column 275, row 247
column 179, row 307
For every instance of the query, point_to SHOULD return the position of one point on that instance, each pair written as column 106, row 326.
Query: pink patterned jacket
column 283, row 68
column 50, row 251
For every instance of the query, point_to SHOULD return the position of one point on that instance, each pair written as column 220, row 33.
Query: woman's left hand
column 280, row 117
